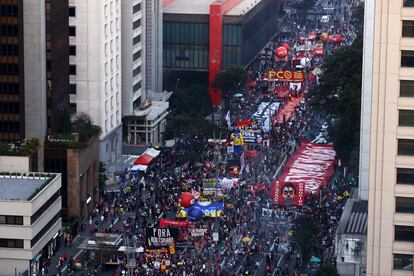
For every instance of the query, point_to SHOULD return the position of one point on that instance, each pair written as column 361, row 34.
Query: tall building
column 144, row 107
column 95, row 69
column 22, row 70
column 133, row 56
column 387, row 136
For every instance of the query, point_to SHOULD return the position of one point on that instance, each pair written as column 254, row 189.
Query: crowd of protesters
column 244, row 236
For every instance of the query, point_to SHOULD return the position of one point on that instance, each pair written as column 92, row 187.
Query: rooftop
column 203, row 7
column 357, row 223
column 189, row 7
column 154, row 110
column 19, row 187
column 244, row 7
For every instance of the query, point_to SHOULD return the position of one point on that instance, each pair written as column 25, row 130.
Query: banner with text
column 285, row 75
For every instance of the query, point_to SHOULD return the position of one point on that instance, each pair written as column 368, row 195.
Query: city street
column 249, row 231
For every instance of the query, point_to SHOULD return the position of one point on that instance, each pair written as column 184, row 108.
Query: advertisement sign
column 160, row 237
column 285, row 75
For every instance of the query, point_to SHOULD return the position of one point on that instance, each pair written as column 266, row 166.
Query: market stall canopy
column 146, row 158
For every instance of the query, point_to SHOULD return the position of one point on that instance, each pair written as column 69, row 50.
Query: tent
column 146, row 158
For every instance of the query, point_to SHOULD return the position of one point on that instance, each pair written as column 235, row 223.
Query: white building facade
column 133, row 56
column 95, row 69
column 30, row 221
column 142, row 72
column 387, row 136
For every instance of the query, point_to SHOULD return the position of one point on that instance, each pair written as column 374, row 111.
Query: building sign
column 285, row 75
column 161, row 237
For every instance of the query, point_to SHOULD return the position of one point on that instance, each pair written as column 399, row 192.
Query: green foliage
column 327, row 270
column 192, row 101
column 339, row 96
column 230, row 80
column 304, row 235
column 29, row 147
column 102, row 175
column 82, row 125
column 189, row 107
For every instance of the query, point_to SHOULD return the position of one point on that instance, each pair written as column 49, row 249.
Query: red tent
column 143, row 160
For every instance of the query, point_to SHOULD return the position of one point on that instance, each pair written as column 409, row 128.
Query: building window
column 136, row 55
column 72, row 30
column 45, row 229
column 407, row 28
column 72, row 108
column 406, row 147
column 406, row 88
column 406, row 118
column 136, row 24
column 403, row 262
column 137, row 86
column 404, row 233
column 136, row 40
column 136, row 8
column 11, row 243
column 11, row 220
column 136, row 71
column 72, row 88
column 72, row 69
column 44, row 207
column 405, row 176
column 404, row 205
column 72, row 11
column 407, row 58
column 408, row 3
column 72, row 50
column 8, row 10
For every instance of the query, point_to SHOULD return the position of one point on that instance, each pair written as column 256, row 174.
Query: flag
column 228, row 118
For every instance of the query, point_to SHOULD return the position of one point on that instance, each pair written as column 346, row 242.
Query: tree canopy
column 339, row 96
column 304, row 235
column 189, row 107
column 327, row 270
column 230, row 80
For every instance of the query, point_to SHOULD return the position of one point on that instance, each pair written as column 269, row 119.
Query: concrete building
column 95, row 69
column 33, row 68
column 30, row 221
column 387, row 136
column 351, row 238
column 210, row 35
column 78, row 162
column 133, row 55
column 142, row 73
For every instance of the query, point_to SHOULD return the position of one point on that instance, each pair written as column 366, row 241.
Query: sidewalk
column 72, row 251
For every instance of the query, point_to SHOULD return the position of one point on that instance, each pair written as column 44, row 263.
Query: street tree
column 188, row 109
column 327, row 270
column 304, row 234
column 339, row 97
column 230, row 80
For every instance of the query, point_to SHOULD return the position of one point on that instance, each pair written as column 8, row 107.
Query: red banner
column 285, row 75
column 174, row 223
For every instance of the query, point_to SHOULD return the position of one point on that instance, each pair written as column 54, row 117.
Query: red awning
column 144, row 159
